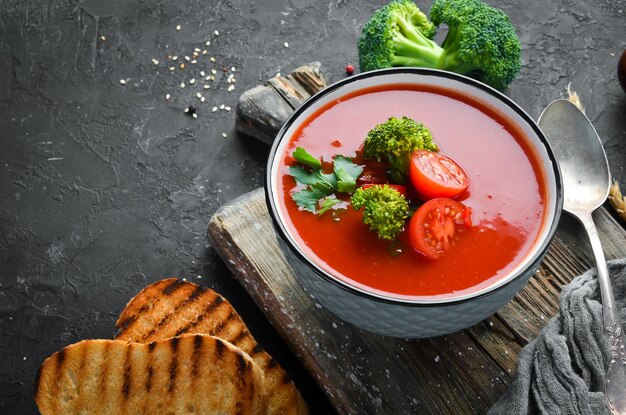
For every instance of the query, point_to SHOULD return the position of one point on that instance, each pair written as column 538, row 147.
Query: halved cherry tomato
column 437, row 224
column 399, row 187
column 436, row 175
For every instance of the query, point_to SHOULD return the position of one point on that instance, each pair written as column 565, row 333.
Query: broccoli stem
column 451, row 60
column 398, row 169
column 412, row 48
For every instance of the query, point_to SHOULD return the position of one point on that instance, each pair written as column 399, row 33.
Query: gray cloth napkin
column 564, row 369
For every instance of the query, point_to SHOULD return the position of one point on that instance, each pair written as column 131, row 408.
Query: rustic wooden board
column 462, row 373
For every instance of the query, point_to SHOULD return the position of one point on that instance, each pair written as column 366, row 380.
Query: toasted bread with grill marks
column 172, row 307
column 190, row 374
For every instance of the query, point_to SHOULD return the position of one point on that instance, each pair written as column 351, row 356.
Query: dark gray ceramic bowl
column 413, row 318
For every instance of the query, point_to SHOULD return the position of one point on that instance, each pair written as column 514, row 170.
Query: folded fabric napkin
column 563, row 371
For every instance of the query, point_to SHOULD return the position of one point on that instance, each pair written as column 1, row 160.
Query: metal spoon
column 586, row 182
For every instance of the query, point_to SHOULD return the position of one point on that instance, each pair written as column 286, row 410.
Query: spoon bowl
column 579, row 152
column 586, row 182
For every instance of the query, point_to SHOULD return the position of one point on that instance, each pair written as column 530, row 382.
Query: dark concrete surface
column 105, row 187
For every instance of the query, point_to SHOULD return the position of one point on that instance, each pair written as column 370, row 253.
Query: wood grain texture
column 462, row 373
column 262, row 110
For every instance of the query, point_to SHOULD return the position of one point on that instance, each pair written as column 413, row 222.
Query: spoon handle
column 615, row 390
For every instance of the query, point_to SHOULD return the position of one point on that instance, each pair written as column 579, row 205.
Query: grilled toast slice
column 172, row 307
column 190, row 374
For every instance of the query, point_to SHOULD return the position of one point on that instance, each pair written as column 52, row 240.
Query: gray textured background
column 105, row 187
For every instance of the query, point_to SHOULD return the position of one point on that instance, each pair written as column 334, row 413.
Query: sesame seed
column 195, row 54
column 103, row 38
column 213, row 71
column 198, row 95
column 182, row 66
column 172, row 68
column 232, row 69
column 123, row 81
column 155, row 61
column 212, row 59
column 216, row 33
column 196, row 49
column 177, row 27
column 208, row 77
column 167, row 96
column 194, row 61
column 201, row 99
column 208, row 43
column 205, row 86
column 231, row 87
column 194, row 115
column 187, row 109
column 227, row 108
column 201, row 73
column 187, row 58
column 277, row 74
column 213, row 109
column 192, row 81
column 204, row 52
column 182, row 84
column 222, row 106
column 286, row 44
column 174, row 58
column 224, row 135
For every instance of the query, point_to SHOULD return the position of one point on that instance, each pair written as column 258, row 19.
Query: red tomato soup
column 506, row 193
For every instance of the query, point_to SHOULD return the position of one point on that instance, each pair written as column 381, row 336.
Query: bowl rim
column 283, row 233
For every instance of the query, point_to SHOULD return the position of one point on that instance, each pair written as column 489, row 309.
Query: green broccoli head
column 480, row 39
column 392, row 36
column 393, row 142
column 384, row 209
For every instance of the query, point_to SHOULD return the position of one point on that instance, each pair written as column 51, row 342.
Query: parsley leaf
column 305, row 158
column 320, row 185
column 347, row 172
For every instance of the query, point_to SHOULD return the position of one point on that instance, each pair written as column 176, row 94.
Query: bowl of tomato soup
column 510, row 205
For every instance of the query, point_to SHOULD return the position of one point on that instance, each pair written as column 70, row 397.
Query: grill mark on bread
column 196, row 355
column 240, row 336
column 272, row 363
column 242, row 365
column 219, row 348
column 126, row 385
column 173, row 286
column 81, row 368
column 60, row 358
column 151, row 347
column 105, row 370
column 123, row 325
column 149, row 378
column 200, row 317
column 195, row 294
column 174, row 363
column 222, row 324
column 257, row 349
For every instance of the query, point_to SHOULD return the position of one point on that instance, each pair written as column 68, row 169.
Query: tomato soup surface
column 506, row 194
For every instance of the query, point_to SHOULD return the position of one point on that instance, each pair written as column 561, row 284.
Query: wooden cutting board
column 363, row 373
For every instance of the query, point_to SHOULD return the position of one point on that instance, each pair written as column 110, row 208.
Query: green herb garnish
column 320, row 185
